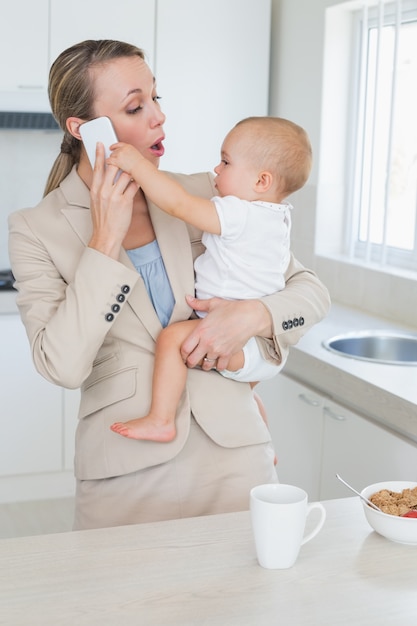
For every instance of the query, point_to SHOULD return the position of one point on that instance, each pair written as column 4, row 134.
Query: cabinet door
column 295, row 421
column 31, row 408
column 212, row 69
column 362, row 452
column 125, row 20
column 23, row 53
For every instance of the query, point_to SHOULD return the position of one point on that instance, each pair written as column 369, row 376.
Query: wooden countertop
column 203, row 571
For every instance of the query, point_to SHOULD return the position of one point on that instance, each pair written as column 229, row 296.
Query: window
column 381, row 197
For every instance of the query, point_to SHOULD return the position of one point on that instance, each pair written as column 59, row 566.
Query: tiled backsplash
column 26, row 157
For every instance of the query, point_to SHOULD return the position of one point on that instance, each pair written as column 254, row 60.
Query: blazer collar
column 174, row 243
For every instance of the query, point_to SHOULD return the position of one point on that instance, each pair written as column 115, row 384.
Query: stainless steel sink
column 379, row 346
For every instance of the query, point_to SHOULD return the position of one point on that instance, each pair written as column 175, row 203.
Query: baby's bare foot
column 147, row 429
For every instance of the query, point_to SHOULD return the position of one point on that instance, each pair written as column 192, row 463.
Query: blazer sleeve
column 64, row 309
column 304, row 302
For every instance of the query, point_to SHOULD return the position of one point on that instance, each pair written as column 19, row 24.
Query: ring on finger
column 207, row 360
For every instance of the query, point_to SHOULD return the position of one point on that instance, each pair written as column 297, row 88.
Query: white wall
column 298, row 28
column 26, row 157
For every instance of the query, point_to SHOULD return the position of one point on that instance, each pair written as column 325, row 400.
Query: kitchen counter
column 384, row 393
column 204, row 571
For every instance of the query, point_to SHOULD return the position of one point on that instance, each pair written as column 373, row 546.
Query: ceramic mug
column 278, row 514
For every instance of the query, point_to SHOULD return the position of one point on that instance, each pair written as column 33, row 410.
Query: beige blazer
column 66, row 297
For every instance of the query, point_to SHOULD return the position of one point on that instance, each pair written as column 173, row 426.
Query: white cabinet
column 362, row 452
column 31, row 408
column 315, row 438
column 39, row 421
column 295, row 419
column 24, row 35
column 35, row 32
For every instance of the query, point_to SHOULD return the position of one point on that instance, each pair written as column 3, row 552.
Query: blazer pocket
column 108, row 390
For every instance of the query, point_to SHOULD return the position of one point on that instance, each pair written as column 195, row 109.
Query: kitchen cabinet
column 31, row 408
column 39, row 421
column 316, row 437
column 46, row 27
column 295, row 420
column 24, row 34
column 362, row 452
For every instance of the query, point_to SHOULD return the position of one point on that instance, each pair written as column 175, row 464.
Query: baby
column 247, row 239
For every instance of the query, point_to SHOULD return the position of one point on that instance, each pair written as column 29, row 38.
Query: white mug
column 278, row 514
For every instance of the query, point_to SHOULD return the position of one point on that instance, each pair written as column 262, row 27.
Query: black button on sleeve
column 120, row 297
column 115, row 308
column 109, row 317
column 285, row 325
column 125, row 289
column 295, row 322
column 301, row 321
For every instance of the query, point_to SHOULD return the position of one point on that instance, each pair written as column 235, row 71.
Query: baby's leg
column 169, row 377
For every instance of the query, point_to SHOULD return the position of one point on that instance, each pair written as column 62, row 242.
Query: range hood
column 26, row 120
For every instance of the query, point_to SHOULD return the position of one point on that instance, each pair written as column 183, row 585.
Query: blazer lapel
column 174, row 243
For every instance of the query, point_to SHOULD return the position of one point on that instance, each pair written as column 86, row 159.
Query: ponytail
column 63, row 164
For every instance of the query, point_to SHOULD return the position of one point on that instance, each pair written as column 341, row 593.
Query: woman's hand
column 111, row 206
column 227, row 327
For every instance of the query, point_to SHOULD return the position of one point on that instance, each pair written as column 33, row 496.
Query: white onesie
column 247, row 260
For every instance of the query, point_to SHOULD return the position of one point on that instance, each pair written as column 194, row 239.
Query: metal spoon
column 371, row 504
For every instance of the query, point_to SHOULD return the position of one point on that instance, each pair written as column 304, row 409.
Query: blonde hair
column 282, row 147
column 71, row 94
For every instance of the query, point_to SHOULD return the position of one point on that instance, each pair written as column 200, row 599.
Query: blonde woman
column 93, row 319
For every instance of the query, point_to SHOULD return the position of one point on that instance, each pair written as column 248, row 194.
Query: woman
column 99, row 271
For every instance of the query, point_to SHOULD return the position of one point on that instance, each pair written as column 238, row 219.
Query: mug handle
column 313, row 533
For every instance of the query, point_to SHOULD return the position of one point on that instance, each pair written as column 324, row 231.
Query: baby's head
column 279, row 146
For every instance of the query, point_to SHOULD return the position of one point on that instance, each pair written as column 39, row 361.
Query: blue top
column 148, row 262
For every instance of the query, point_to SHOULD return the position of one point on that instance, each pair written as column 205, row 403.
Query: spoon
column 368, row 502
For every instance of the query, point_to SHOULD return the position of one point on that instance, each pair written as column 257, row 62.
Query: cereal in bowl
column 395, row 503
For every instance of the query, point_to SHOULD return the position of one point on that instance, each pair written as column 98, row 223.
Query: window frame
column 375, row 253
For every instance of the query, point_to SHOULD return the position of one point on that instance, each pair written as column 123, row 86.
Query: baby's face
column 236, row 174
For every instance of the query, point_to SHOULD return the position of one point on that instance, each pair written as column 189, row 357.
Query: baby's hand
column 124, row 156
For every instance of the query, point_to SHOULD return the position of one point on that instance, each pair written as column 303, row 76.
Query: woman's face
column 125, row 91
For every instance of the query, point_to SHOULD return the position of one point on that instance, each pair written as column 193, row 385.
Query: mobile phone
column 101, row 129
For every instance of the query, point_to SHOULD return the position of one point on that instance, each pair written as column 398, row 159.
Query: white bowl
column 393, row 527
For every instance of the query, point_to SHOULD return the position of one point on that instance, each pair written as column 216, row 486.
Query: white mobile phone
column 101, row 129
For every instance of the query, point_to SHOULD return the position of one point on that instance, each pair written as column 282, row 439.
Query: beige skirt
column 203, row 479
